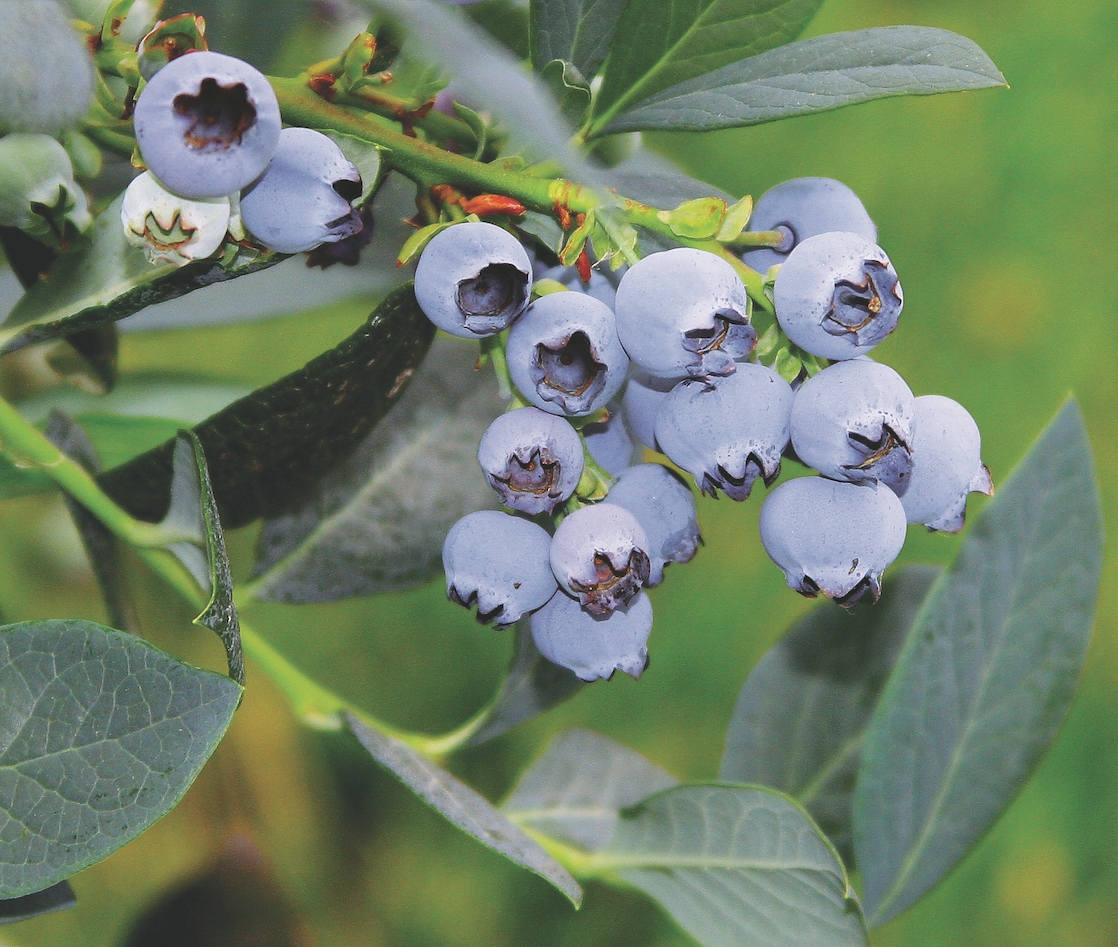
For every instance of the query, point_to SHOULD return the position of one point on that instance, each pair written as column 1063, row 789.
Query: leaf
column 57, row 897
column 648, row 178
column 366, row 158
column 101, row 735
column 193, row 511
column 815, row 75
column 505, row 20
column 461, row 805
column 736, row 865
column 487, row 76
column 576, row 31
column 378, row 522
column 576, row 790
column 568, row 87
column 660, row 43
column 533, row 685
column 987, row 676
column 101, row 545
column 106, row 282
column 268, row 450
column 800, row 717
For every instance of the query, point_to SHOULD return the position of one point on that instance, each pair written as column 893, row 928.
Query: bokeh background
column 999, row 211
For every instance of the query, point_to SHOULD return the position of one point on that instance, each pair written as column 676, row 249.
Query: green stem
column 759, row 238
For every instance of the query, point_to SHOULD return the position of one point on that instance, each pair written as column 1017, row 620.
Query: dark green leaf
column 505, row 20
column 576, row 31
column 534, row 685
column 57, row 897
column 463, row 806
column 661, row 43
column 268, row 450
column 569, row 89
column 101, row 545
column 737, row 865
column 815, row 75
column 377, row 523
column 108, row 281
column 576, row 790
column 249, row 29
column 194, row 512
column 101, row 734
column 801, row 715
column 987, row 675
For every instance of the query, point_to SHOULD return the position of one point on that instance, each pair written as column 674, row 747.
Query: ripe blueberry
column 600, row 554
column 594, row 646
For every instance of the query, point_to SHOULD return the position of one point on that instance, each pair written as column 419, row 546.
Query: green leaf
column 505, row 20
column 194, row 512
column 107, row 282
column 533, row 685
column 577, row 31
column 800, row 717
column 101, row 735
column 736, row 865
column 660, row 43
column 699, row 219
column 378, row 522
column 267, row 451
column 366, row 158
column 577, row 789
column 987, row 676
column 463, row 806
column 57, row 897
column 569, row 89
column 816, row 75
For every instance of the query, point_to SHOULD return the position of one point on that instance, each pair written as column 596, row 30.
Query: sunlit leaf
column 463, row 806
column 101, row 734
column 987, row 675
column 378, row 522
column 816, row 75
column 576, row 790
column 800, row 717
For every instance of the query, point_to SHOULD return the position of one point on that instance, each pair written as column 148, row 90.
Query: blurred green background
column 998, row 209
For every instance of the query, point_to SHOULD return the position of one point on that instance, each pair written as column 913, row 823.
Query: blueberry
column 498, row 562
column 594, row 646
column 610, row 443
column 169, row 228
column 663, row 505
column 805, row 207
column 837, row 296
column 564, row 355
column 684, row 312
column 473, row 280
column 600, row 286
column 207, row 124
column 303, row 200
column 832, row 537
column 641, row 402
column 728, row 431
column 532, row 459
column 854, row 421
column 946, row 465
column 599, row 554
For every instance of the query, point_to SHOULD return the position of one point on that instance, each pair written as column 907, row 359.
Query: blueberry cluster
column 665, row 358
column 208, row 128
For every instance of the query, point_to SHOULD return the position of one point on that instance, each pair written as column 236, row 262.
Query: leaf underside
column 987, row 675
column 57, row 897
column 268, row 450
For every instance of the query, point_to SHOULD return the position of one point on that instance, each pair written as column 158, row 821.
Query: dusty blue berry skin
column 833, row 537
column 684, row 312
column 854, row 421
column 473, row 279
column 805, row 207
column 300, row 202
column 532, row 459
column 594, row 646
column 610, row 443
column 663, row 505
column 641, row 402
column 837, row 296
column 500, row 563
column 600, row 554
column 729, row 431
column 207, row 124
column 564, row 355
column 946, row 465
column 601, row 287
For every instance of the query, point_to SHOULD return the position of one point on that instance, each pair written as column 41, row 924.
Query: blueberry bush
column 617, row 339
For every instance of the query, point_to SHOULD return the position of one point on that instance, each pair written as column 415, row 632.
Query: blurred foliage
column 997, row 209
